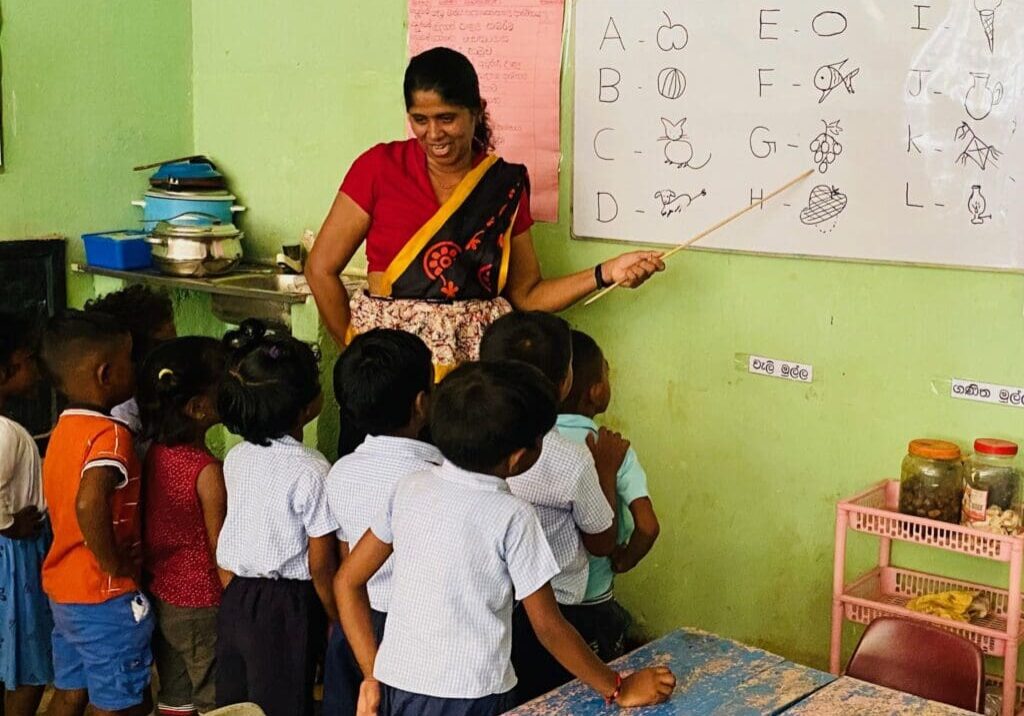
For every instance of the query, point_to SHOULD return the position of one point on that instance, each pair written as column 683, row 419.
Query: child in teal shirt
column 605, row 622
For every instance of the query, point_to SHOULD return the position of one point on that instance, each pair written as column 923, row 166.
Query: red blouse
column 390, row 183
column 181, row 569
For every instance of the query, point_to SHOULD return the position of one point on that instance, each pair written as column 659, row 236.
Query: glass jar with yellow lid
column 932, row 480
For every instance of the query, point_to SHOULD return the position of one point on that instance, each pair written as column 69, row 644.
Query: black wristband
column 599, row 278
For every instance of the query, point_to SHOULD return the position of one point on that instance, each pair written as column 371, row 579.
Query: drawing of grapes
column 826, row 146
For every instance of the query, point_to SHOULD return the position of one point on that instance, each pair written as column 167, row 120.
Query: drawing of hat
column 824, row 203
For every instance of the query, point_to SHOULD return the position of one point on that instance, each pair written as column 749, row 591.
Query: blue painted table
column 714, row 676
column 851, row 696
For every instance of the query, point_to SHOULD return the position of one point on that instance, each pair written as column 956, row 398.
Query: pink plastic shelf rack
column 885, row 589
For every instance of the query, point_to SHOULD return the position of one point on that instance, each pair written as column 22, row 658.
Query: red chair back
column 921, row 659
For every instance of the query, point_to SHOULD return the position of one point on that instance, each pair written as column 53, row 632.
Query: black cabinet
column 32, row 279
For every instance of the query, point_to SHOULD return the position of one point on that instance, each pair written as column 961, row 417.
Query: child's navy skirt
column 26, row 626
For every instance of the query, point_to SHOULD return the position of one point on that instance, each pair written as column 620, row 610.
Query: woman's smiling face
column 445, row 131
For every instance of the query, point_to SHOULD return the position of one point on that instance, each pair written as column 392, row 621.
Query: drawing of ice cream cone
column 987, row 14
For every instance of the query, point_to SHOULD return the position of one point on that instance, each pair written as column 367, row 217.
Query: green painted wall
column 744, row 470
column 90, row 89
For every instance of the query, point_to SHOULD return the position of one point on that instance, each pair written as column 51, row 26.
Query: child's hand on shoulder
column 647, row 686
column 369, row 698
column 27, row 523
column 609, row 450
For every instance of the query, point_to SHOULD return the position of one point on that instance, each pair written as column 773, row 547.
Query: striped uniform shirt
column 360, row 485
column 464, row 547
column 564, row 488
column 276, row 502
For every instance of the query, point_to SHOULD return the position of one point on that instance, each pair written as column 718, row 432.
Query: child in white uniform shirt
column 26, row 661
column 463, row 548
column 382, row 382
column 278, row 536
column 573, row 492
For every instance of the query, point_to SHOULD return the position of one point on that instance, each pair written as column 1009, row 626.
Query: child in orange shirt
column 91, row 481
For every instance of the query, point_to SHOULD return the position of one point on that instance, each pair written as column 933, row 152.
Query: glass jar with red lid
column 932, row 480
column 992, row 493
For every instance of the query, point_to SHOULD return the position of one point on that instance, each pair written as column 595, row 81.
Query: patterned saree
column 445, row 284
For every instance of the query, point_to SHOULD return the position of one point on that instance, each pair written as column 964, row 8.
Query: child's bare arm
column 323, row 566
column 369, row 555
column 645, row 533
column 647, row 686
column 96, row 520
column 213, row 500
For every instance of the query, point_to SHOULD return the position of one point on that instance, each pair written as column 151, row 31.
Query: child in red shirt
column 184, row 505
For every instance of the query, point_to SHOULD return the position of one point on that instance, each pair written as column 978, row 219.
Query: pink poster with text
column 516, row 48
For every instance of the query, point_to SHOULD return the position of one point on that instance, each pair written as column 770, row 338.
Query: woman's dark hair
column 270, row 380
column 139, row 309
column 483, row 412
column 541, row 339
column 173, row 374
column 18, row 331
column 376, row 381
column 451, row 75
column 587, row 367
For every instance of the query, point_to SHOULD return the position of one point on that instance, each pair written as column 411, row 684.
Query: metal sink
column 266, row 296
column 276, row 283
column 252, row 291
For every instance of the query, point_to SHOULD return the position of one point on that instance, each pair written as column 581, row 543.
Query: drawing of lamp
column 976, row 205
column 987, row 14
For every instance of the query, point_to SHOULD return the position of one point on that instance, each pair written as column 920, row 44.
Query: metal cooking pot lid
column 196, row 231
column 213, row 195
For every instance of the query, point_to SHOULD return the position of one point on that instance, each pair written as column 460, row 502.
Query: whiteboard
column 686, row 111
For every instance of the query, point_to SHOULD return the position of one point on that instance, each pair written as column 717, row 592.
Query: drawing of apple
column 672, row 36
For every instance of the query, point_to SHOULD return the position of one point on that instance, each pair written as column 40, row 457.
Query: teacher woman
column 446, row 225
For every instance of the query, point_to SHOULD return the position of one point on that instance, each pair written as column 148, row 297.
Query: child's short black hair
column 71, row 335
column 541, row 339
column 483, row 412
column 173, row 374
column 141, row 310
column 376, row 381
column 270, row 380
column 587, row 367
column 18, row 331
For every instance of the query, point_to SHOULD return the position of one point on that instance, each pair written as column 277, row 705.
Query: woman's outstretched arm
column 527, row 290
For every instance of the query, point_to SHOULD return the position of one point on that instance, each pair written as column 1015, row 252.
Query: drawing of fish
column 828, row 77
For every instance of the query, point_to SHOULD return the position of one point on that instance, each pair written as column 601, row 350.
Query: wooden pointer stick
column 704, row 233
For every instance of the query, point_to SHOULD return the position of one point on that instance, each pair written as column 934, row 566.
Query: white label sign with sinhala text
column 987, row 392
column 775, row 368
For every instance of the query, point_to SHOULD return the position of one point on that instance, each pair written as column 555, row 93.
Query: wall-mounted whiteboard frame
column 776, row 230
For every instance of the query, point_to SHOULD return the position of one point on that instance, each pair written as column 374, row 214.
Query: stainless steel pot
column 195, row 250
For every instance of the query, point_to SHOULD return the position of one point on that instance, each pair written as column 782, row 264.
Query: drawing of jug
column 980, row 97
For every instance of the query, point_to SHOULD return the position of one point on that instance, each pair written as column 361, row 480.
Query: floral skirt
column 452, row 331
